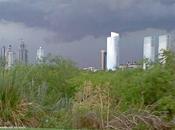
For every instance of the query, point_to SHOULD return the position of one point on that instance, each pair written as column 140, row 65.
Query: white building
column 113, row 51
column 40, row 55
column 9, row 57
column 148, row 51
column 163, row 45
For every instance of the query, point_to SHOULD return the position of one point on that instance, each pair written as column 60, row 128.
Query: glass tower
column 163, row 45
column 148, row 51
column 113, row 51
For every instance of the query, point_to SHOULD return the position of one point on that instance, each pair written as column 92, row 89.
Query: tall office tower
column 113, row 51
column 163, row 45
column 103, row 57
column 23, row 53
column 148, row 51
column 9, row 57
column 3, row 51
column 3, row 56
column 40, row 55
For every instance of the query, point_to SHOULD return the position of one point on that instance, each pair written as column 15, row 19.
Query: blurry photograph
column 87, row 64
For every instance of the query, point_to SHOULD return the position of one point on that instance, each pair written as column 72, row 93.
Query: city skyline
column 153, row 47
column 123, row 57
column 78, row 29
column 10, row 57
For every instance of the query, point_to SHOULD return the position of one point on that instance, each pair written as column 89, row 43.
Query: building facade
column 40, row 55
column 163, row 45
column 103, row 59
column 23, row 54
column 9, row 57
column 113, row 51
column 148, row 51
column 3, row 52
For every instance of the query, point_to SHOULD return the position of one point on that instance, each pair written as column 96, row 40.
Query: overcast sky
column 77, row 29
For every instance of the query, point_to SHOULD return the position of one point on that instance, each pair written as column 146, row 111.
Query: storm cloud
column 77, row 29
column 76, row 19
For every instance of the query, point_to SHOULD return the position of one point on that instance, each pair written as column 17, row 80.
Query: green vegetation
column 31, row 129
column 56, row 94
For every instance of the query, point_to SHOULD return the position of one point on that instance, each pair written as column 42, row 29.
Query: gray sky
column 77, row 29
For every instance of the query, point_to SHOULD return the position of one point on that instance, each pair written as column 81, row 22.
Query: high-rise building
column 103, row 59
column 23, row 53
column 9, row 57
column 3, row 56
column 163, row 45
column 113, row 51
column 148, row 51
column 40, row 55
column 3, row 51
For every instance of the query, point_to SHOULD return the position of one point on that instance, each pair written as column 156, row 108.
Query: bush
column 56, row 94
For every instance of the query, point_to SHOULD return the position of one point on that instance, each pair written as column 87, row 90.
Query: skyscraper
column 113, row 51
column 3, row 51
column 103, row 59
column 148, row 51
column 163, row 45
column 3, row 56
column 40, row 55
column 23, row 53
column 9, row 57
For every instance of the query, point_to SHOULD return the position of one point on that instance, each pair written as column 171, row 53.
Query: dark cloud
column 84, row 24
column 167, row 2
column 75, row 19
column 17, row 11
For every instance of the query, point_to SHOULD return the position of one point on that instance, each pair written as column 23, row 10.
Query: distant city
column 151, row 51
column 153, row 47
column 10, row 57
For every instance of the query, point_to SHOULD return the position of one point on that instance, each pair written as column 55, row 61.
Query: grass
column 29, row 129
column 58, row 95
column 39, row 129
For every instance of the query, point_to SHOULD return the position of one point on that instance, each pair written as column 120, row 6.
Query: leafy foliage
column 56, row 94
